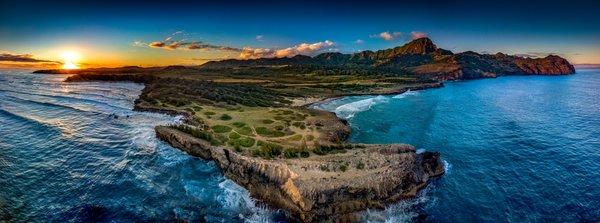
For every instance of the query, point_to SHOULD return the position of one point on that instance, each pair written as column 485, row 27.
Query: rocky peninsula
column 251, row 117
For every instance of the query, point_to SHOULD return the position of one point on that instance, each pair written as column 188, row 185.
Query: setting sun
column 70, row 60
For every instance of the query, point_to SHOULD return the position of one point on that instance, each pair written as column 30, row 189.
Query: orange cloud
column 303, row 48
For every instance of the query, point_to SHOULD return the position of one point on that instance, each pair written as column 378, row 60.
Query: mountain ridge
column 420, row 57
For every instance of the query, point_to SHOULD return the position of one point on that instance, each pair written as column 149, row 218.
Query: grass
column 221, row 128
column 234, row 135
column 246, row 130
column 238, row 124
column 267, row 150
column 266, row 132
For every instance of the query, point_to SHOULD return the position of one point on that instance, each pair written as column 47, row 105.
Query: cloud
column 25, row 58
column 416, row 35
column 303, row 48
column 387, row 36
column 170, row 43
column 157, row 44
column 359, row 41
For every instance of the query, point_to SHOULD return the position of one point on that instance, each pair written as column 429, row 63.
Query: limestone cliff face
column 321, row 188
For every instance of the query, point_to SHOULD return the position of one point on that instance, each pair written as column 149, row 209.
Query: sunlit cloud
column 303, row 48
column 359, row 41
column 259, row 37
column 387, row 36
column 416, row 35
column 26, row 58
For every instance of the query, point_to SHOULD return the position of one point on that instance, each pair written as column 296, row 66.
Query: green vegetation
column 331, row 149
column 360, row 165
column 238, row 124
column 264, row 131
column 246, row 130
column 221, row 128
column 234, row 135
column 245, row 142
column 198, row 133
column 267, row 121
column 267, row 150
column 225, row 117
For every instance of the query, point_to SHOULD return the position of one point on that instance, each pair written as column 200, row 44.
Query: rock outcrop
column 329, row 188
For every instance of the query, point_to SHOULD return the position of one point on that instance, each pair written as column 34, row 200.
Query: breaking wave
column 347, row 111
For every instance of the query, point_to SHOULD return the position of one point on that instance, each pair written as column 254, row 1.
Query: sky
column 146, row 33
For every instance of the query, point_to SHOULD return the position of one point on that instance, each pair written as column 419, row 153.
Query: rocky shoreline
column 307, row 190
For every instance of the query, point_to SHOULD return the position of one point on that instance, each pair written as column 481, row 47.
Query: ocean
column 517, row 149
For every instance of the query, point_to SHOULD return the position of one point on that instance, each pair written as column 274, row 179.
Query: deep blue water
column 64, row 159
column 518, row 149
column 523, row 149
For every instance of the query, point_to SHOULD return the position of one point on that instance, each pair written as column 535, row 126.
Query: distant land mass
column 419, row 57
column 255, row 120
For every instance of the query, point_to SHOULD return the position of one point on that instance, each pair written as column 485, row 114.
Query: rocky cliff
column 422, row 58
column 329, row 188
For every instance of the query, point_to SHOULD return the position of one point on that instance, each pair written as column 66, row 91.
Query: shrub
column 197, row 108
column 300, row 125
column 208, row 113
column 267, row 150
column 343, row 168
column 278, row 117
column 225, row 117
column 290, row 154
column 238, row 124
column 324, row 168
column 267, row 121
column 198, row 133
column 221, row 128
column 234, row 135
column 310, row 138
column 246, row 130
column 264, row 131
column 246, row 142
column 360, row 165
column 304, row 154
column 296, row 137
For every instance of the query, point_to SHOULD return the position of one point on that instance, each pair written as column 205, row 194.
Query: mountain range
column 420, row 57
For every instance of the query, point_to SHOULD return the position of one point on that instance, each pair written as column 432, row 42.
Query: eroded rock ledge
column 319, row 188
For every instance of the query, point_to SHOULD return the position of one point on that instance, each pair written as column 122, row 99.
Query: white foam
column 236, row 199
column 406, row 94
column 402, row 211
column 348, row 110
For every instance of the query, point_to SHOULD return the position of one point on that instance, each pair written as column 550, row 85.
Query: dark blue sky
column 125, row 30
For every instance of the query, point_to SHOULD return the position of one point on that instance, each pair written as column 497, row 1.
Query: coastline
column 302, row 187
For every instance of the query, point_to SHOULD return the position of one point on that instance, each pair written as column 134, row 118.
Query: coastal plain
column 255, row 120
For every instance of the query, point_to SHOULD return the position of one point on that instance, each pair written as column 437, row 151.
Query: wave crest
column 348, row 110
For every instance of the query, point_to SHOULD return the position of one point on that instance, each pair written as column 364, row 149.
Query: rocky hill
column 420, row 57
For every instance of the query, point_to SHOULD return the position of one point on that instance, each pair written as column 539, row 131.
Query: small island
column 255, row 120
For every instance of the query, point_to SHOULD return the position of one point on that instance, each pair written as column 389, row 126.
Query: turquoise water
column 522, row 149
column 518, row 149
column 64, row 158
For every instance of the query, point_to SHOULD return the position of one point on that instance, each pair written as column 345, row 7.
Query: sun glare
column 70, row 60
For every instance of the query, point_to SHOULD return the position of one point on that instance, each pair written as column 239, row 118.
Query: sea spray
column 347, row 111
